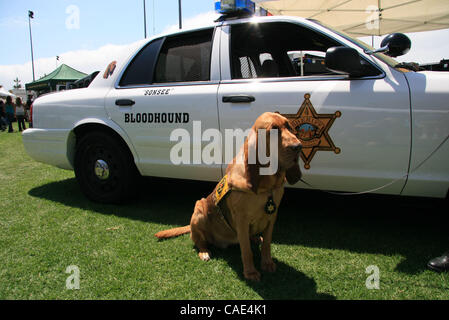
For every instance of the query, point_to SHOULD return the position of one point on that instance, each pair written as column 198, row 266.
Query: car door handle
column 240, row 98
column 124, row 102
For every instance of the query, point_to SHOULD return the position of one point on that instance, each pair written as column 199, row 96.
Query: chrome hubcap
column 101, row 169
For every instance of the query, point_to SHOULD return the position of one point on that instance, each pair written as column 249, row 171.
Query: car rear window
column 185, row 58
column 140, row 70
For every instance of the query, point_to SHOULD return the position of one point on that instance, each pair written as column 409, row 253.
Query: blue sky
column 101, row 22
column 107, row 26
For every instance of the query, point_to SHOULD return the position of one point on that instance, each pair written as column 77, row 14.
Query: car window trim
column 171, row 84
column 304, row 78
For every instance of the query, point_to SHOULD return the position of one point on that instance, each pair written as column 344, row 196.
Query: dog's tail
column 170, row 233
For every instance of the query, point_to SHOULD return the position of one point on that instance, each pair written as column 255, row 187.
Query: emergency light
column 232, row 6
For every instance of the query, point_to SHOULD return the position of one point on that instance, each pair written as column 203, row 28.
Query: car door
column 355, row 132
column 167, row 88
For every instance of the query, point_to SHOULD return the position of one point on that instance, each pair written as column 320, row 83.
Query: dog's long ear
column 252, row 165
column 293, row 174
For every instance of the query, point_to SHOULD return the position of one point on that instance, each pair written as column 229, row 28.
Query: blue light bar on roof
column 228, row 6
column 263, row 12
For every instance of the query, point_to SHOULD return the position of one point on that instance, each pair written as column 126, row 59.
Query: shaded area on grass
column 413, row 228
column 286, row 283
column 171, row 203
column 165, row 201
column 416, row 228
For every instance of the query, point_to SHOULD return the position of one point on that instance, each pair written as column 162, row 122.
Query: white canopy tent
column 367, row 17
column 5, row 93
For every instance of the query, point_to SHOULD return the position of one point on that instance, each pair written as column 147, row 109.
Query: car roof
column 252, row 19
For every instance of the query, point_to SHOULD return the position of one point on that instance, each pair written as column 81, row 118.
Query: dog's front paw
column 252, row 275
column 268, row 265
column 204, row 255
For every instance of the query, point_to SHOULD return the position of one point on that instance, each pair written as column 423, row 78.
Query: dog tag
column 270, row 206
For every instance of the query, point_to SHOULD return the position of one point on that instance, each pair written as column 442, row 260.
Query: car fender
column 107, row 123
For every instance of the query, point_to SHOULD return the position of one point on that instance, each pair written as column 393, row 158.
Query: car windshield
column 388, row 60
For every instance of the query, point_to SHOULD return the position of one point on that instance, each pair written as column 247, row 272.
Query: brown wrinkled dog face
column 289, row 147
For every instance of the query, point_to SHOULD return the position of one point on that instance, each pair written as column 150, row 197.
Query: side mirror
column 397, row 44
column 343, row 60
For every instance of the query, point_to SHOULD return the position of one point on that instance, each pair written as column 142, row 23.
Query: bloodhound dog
column 244, row 203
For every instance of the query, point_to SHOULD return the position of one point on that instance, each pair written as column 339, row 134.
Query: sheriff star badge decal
column 312, row 130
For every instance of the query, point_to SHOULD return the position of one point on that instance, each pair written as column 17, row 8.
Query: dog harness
column 222, row 190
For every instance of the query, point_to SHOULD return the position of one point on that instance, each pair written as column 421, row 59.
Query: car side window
column 140, row 70
column 185, row 58
column 280, row 49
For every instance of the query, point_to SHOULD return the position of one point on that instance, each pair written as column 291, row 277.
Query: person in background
column 10, row 111
column 20, row 114
column 28, row 110
column 3, row 123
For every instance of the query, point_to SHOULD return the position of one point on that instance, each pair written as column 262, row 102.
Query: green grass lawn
column 322, row 243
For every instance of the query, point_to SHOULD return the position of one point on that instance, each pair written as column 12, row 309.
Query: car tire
column 104, row 168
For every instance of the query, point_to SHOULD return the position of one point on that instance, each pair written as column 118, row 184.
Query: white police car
column 366, row 122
